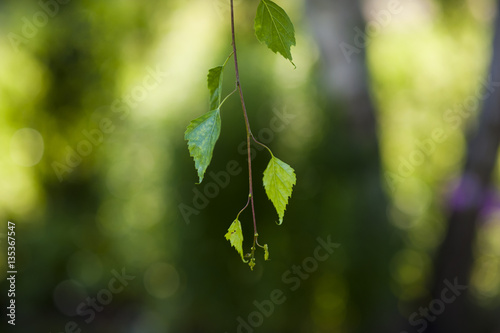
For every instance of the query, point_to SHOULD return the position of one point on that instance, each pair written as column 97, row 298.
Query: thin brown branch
column 247, row 123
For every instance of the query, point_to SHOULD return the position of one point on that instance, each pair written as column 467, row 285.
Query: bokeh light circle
column 68, row 295
column 161, row 280
column 26, row 147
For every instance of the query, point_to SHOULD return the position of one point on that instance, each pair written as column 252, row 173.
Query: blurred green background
column 142, row 66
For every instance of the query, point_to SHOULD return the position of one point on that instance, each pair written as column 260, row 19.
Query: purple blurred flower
column 469, row 193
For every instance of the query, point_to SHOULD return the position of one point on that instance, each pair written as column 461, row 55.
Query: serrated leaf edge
column 286, row 197
column 230, row 233
column 294, row 42
column 192, row 146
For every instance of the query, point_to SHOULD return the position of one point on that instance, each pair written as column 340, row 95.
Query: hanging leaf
column 274, row 27
column 202, row 134
column 235, row 236
column 214, row 79
column 279, row 179
column 266, row 252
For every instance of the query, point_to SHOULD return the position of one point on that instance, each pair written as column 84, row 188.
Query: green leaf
column 266, row 252
column 235, row 237
column 279, row 179
column 274, row 27
column 214, row 79
column 202, row 134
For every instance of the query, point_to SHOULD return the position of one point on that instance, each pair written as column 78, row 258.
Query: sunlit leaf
column 235, row 236
column 274, row 27
column 202, row 134
column 279, row 179
column 214, row 79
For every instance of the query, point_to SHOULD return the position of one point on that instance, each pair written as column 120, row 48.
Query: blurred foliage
column 119, row 207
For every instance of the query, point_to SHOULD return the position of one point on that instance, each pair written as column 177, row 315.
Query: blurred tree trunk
column 349, row 153
column 336, row 25
column 455, row 257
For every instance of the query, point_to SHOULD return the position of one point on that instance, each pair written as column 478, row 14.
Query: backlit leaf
column 202, row 134
column 266, row 252
column 279, row 179
column 235, row 236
